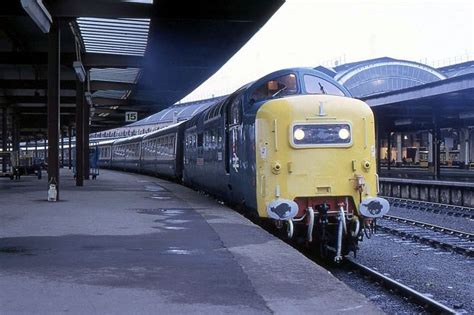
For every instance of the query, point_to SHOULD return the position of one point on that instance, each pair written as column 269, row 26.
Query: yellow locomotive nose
column 315, row 158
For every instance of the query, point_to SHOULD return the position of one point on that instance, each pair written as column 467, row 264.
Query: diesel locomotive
column 292, row 148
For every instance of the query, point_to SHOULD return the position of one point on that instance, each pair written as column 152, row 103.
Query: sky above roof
column 331, row 32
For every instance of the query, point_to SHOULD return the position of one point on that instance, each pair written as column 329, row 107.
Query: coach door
column 233, row 143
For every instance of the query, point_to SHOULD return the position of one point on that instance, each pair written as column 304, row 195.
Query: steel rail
column 432, row 227
column 434, row 306
column 457, row 246
column 441, row 208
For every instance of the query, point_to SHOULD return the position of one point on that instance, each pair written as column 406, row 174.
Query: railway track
column 429, row 304
column 457, row 211
column 437, row 236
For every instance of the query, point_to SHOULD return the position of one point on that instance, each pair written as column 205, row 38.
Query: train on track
column 292, row 148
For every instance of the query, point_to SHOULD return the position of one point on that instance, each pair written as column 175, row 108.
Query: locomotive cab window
column 317, row 85
column 278, row 87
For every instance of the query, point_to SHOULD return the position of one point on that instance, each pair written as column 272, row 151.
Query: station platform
column 133, row 244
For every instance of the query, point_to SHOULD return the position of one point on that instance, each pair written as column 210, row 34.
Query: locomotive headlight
column 344, row 134
column 324, row 134
column 298, row 134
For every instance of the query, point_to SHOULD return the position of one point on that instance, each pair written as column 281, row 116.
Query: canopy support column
column 53, row 104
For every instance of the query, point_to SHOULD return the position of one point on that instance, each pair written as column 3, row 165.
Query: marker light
column 299, row 134
column 344, row 134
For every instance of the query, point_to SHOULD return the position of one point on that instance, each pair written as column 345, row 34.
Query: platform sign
column 131, row 116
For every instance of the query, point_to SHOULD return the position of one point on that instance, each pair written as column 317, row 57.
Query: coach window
column 235, row 111
column 278, row 87
column 317, row 85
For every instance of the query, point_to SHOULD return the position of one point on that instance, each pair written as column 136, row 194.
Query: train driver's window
column 317, row 85
column 278, row 87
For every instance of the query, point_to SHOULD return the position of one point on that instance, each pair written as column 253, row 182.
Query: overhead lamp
column 403, row 122
column 80, row 71
column 38, row 13
column 88, row 97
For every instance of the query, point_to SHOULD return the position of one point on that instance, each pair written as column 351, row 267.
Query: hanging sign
column 131, row 116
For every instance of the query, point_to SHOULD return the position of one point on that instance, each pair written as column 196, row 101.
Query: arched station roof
column 384, row 75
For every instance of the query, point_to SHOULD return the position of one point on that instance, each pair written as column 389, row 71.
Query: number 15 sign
column 131, row 116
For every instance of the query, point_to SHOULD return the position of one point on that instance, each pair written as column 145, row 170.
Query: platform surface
column 134, row 244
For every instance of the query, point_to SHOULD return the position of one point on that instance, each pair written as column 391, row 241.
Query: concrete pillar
column 471, row 144
column 62, row 147
column 399, row 149
column 4, row 136
column 430, row 148
column 417, row 154
column 446, row 154
column 447, row 150
column 467, row 158
column 437, row 152
column 464, row 147
column 16, row 133
column 54, row 51
column 389, row 150
column 86, row 140
column 69, row 133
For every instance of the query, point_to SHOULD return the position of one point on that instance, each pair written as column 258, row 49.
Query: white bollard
column 52, row 193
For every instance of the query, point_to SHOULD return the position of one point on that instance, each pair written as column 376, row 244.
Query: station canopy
column 140, row 55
